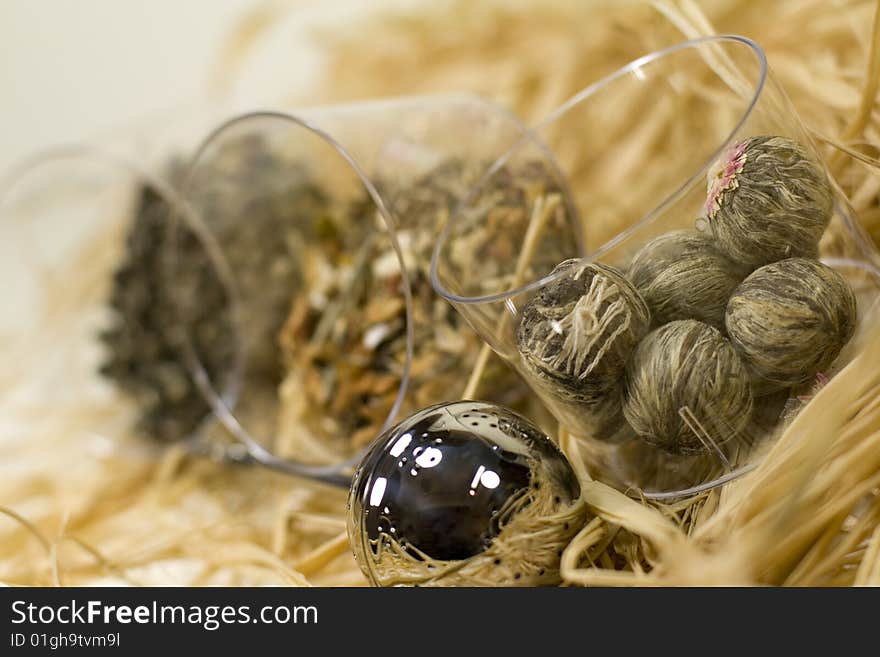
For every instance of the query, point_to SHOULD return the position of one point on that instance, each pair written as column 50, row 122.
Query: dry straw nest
column 77, row 510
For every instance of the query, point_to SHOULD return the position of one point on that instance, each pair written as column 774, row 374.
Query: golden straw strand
column 544, row 206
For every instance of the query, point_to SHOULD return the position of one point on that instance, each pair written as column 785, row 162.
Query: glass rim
column 533, row 133
column 220, row 406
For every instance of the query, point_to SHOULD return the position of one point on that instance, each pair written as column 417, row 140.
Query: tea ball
column 687, row 389
column 768, row 199
column 682, row 275
column 575, row 336
column 463, row 494
column 789, row 320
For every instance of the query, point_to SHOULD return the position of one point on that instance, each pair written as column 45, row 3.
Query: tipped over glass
column 645, row 152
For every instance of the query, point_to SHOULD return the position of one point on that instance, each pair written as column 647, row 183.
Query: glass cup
column 260, row 293
column 90, row 338
column 326, row 219
column 636, row 148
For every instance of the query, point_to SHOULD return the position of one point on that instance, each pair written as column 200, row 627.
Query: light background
column 74, row 70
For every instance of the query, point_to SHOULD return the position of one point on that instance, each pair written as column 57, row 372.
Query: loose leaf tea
column 497, row 226
column 265, row 210
column 145, row 340
column 345, row 347
column 259, row 207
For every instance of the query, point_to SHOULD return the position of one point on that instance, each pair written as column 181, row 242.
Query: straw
column 809, row 514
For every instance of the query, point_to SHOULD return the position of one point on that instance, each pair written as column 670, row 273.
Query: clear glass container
column 126, row 318
column 637, row 149
column 314, row 211
column 88, row 336
column 254, row 284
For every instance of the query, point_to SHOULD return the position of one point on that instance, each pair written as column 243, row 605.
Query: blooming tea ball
column 789, row 320
column 463, row 494
column 575, row 336
column 768, row 199
column 686, row 388
column 682, row 275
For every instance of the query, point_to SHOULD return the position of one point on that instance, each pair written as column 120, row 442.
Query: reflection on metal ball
column 463, row 494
